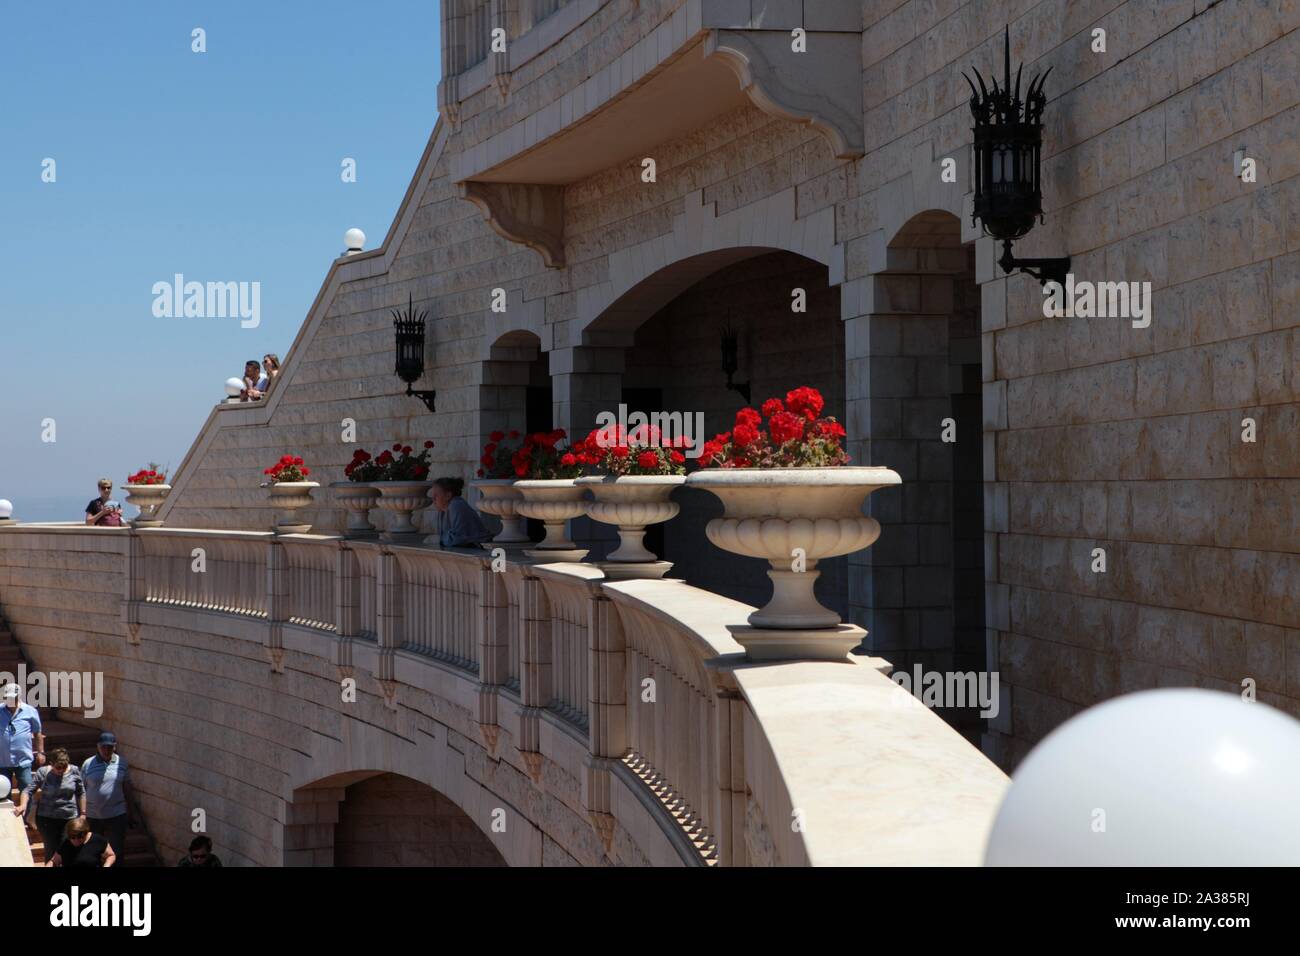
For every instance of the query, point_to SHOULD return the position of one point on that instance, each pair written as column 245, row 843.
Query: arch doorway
column 381, row 819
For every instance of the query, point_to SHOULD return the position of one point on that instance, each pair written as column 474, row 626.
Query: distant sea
column 60, row 507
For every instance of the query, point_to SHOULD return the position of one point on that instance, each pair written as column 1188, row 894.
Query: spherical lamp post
column 355, row 240
column 6, row 511
column 1170, row 777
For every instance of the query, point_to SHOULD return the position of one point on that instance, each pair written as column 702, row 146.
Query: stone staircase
column 79, row 741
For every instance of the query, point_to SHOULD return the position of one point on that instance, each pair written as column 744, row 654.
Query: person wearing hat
column 108, row 793
column 21, row 738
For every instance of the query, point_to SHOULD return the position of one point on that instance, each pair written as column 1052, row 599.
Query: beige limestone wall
column 1095, row 434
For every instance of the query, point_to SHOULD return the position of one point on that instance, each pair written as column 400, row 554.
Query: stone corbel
column 528, row 213
column 822, row 87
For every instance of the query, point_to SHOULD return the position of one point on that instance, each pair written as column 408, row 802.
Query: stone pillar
column 388, row 622
column 277, row 602
column 133, row 586
column 585, row 381
column 493, row 634
column 607, row 713
column 898, row 396
column 535, row 691
column 309, row 824
column 503, row 15
column 347, row 605
column 453, row 59
column 729, row 807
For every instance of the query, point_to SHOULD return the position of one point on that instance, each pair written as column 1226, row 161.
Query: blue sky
column 224, row 166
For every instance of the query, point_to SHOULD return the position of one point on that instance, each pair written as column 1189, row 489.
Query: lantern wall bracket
column 740, row 388
column 425, row 396
column 1044, row 270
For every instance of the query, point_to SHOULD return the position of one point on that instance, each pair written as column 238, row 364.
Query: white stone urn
column 793, row 517
column 288, row 497
column 358, row 497
column 500, row 498
column 148, row 498
column 631, row 502
column 553, row 501
column 403, row 499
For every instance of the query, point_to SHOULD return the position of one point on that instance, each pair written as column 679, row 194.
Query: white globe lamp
column 355, row 240
column 5, row 787
column 1171, row 777
column 234, row 386
column 6, row 509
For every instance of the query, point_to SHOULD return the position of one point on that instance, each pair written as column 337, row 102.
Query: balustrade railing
column 311, row 574
column 215, row 571
column 440, row 606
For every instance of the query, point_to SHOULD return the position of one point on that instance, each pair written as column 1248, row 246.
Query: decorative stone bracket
column 822, row 87
column 529, row 213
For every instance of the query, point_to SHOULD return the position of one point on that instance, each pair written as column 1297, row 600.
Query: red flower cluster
column 796, row 436
column 288, row 468
column 540, row 456
column 497, row 460
column 147, row 476
column 614, row 451
column 387, row 466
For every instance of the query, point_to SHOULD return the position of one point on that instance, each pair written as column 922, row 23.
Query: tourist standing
column 109, row 799
column 104, row 511
column 21, row 737
column 59, row 795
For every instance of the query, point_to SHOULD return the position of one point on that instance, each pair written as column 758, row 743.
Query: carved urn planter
column 358, row 497
column 793, row 518
column 631, row 502
column 148, row 498
column 500, row 498
column 287, row 497
column 553, row 501
column 403, row 499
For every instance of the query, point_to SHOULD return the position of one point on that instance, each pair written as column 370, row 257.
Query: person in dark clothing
column 82, row 849
column 200, row 854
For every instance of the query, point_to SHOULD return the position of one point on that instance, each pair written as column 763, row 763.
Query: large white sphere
column 5, row 787
column 354, row 239
column 1173, row 777
column 6, row 508
column 234, row 386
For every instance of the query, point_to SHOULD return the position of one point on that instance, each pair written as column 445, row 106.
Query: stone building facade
column 824, row 170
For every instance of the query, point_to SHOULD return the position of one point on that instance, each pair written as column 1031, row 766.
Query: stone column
column 277, row 602
column 347, row 605
column 585, row 381
column 388, row 622
column 133, row 586
column 607, row 713
column 493, row 633
column 535, row 691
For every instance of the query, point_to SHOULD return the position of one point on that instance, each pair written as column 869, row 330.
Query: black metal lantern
column 731, row 360
column 409, row 332
column 1008, row 165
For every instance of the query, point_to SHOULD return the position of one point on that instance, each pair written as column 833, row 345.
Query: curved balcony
column 626, row 704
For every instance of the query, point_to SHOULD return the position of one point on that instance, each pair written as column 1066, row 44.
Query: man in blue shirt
column 109, row 799
column 20, row 737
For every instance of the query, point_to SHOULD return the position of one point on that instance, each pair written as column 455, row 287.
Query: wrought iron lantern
column 1008, row 165
column 731, row 360
column 409, row 331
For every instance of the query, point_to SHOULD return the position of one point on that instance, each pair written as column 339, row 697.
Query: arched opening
column 925, row 420
column 674, row 364
column 381, row 819
column 515, row 394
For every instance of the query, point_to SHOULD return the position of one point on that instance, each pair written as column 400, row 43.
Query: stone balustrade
column 626, row 704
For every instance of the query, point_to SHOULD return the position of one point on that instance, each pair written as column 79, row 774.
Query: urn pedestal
column 631, row 502
column 288, row 497
column 553, row 501
column 794, row 517
column 148, row 498
column 359, row 498
column 402, row 499
column 500, row 498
